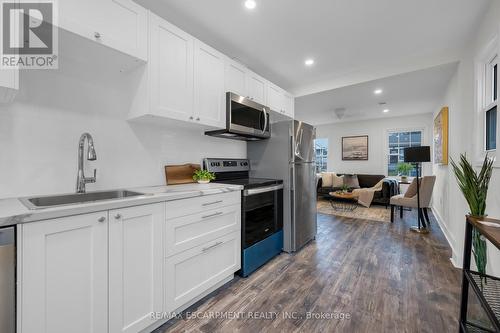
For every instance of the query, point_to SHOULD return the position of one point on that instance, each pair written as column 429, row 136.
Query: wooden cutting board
column 180, row 174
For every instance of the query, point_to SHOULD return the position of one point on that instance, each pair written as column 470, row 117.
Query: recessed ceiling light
column 250, row 4
column 386, row 110
column 309, row 62
column 378, row 91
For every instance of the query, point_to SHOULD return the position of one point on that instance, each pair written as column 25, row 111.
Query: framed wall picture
column 355, row 148
column 441, row 137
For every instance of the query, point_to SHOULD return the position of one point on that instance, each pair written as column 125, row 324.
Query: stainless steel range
column 261, row 211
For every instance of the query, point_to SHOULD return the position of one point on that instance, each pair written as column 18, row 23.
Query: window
column 321, row 154
column 398, row 141
column 490, row 104
column 487, row 96
column 491, row 129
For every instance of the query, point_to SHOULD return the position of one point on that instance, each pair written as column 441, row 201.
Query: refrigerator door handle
column 298, row 144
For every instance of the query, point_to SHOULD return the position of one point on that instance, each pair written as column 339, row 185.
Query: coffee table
column 348, row 202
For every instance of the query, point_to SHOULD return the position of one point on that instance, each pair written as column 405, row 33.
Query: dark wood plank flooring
column 385, row 277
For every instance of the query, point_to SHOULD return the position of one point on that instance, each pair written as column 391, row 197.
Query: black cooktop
column 251, row 182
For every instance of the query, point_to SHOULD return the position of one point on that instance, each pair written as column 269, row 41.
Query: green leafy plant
column 203, row 175
column 344, row 188
column 474, row 187
column 404, row 169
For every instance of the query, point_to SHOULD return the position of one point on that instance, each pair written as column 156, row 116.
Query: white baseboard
column 448, row 237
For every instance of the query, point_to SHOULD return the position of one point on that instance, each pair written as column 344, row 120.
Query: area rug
column 374, row 213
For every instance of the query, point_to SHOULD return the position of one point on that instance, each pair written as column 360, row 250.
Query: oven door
column 262, row 213
column 244, row 116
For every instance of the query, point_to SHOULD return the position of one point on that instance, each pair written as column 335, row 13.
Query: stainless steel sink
column 75, row 198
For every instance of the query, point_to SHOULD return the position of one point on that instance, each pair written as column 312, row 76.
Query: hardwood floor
column 383, row 276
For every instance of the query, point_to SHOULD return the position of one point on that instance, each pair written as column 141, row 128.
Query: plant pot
column 404, row 179
column 203, row 181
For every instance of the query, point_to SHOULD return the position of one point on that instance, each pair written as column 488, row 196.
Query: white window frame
column 484, row 63
column 424, row 142
column 327, row 150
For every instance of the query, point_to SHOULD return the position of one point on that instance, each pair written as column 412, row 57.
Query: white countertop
column 12, row 211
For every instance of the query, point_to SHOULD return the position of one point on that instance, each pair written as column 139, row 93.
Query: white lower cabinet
column 135, row 266
column 64, row 275
column 192, row 272
column 72, row 266
column 189, row 231
column 109, row 271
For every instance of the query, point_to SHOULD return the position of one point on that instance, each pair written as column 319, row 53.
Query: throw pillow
column 327, row 179
column 412, row 189
column 338, row 181
column 351, row 181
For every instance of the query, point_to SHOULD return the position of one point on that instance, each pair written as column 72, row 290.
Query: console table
column 486, row 288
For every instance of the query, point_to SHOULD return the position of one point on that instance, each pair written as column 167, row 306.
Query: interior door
column 304, row 204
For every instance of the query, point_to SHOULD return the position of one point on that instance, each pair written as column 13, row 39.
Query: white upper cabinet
column 64, row 275
column 170, row 70
column 187, row 80
column 119, row 24
column 135, row 266
column 275, row 98
column 9, row 85
column 209, row 101
column 289, row 105
column 236, row 78
column 256, row 88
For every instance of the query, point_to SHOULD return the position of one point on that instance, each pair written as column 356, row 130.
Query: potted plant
column 404, row 170
column 203, row 176
column 474, row 187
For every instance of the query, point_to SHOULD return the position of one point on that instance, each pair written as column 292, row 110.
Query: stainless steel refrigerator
column 289, row 155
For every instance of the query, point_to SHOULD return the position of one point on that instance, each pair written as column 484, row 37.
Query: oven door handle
column 259, row 190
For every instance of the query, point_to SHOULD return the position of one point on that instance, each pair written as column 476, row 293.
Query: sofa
column 383, row 197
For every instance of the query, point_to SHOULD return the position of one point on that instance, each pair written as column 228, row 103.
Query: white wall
column 376, row 129
column 448, row 203
column 39, row 135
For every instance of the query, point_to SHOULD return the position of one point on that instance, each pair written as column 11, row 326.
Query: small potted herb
column 203, row 176
column 404, row 170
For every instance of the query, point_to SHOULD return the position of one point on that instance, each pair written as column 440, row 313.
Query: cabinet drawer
column 186, row 232
column 192, row 272
column 185, row 207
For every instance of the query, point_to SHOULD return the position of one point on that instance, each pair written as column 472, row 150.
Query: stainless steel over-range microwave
column 245, row 119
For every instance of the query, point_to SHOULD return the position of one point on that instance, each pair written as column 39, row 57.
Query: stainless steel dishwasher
column 7, row 280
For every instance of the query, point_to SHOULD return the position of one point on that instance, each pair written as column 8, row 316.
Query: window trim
column 484, row 100
column 387, row 131
column 327, row 153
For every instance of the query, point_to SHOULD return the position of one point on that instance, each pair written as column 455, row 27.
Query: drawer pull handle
column 205, row 249
column 211, row 215
column 212, row 203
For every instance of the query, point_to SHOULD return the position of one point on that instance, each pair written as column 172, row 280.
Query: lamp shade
column 417, row 154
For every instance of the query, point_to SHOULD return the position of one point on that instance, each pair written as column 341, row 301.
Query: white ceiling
column 352, row 41
column 405, row 94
